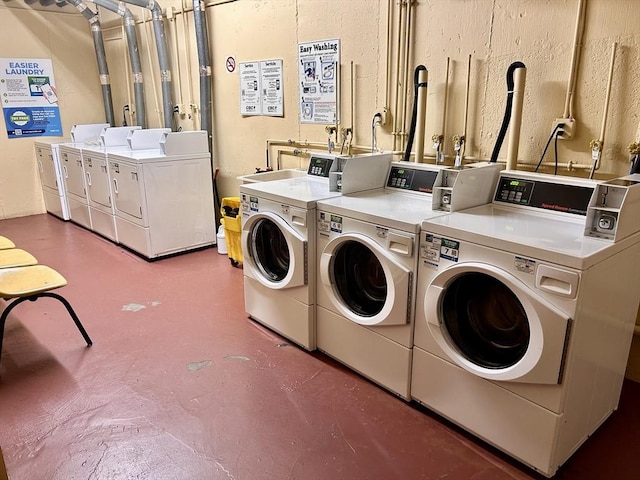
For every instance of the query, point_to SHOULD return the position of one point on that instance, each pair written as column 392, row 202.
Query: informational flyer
column 29, row 100
column 318, row 64
column 250, row 88
column 272, row 88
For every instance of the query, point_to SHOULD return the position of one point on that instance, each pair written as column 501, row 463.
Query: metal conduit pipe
column 101, row 57
column 204, row 63
column 163, row 57
column 134, row 56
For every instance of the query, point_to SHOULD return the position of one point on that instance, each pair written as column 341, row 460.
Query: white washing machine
column 98, row 178
column 367, row 257
column 278, row 241
column 74, row 173
column 50, row 168
column 525, row 313
column 163, row 199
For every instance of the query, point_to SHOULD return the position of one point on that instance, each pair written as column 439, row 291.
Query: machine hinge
column 306, row 262
column 410, row 297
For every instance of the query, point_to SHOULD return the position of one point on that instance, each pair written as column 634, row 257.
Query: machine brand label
column 382, row 232
column 323, row 225
column 430, row 250
column 336, row 224
column 254, row 204
column 525, row 265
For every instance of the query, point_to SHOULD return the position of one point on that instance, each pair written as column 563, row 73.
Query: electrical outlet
column 566, row 129
column 384, row 116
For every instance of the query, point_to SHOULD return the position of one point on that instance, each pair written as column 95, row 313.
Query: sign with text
column 29, row 100
column 318, row 64
column 261, row 88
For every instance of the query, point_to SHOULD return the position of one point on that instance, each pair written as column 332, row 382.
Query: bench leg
column 33, row 298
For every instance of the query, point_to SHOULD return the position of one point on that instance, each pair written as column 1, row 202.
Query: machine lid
column 301, row 192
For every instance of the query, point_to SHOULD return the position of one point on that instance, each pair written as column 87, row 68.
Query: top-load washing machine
column 367, row 257
column 98, row 179
column 525, row 313
column 74, row 173
column 163, row 198
column 50, row 167
column 278, row 240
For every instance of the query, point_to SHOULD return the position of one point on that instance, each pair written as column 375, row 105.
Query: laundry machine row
column 50, row 166
column 367, row 257
column 279, row 239
column 525, row 312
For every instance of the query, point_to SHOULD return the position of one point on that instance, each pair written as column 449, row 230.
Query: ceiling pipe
column 134, row 56
column 163, row 57
column 101, row 57
column 204, row 64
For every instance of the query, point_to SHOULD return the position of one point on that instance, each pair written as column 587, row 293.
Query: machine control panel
column 319, row 166
column 544, row 195
column 413, row 179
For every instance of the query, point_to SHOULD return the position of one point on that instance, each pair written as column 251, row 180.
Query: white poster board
column 318, row 64
column 261, row 88
column 29, row 100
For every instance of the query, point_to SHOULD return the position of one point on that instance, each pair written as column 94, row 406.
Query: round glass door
column 485, row 320
column 270, row 250
column 359, row 279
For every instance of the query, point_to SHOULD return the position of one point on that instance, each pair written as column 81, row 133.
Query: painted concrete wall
column 65, row 39
column 494, row 32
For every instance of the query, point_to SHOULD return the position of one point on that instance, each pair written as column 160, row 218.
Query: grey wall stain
column 195, row 366
column 132, row 307
column 236, row 357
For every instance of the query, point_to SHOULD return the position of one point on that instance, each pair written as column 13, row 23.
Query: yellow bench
column 16, row 257
column 30, row 283
column 6, row 243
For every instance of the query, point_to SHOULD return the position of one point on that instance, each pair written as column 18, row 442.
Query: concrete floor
column 181, row 385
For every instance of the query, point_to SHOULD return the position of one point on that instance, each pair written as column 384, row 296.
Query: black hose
column 414, row 115
column 507, row 113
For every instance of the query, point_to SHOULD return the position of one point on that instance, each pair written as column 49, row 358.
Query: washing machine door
column 364, row 282
column 494, row 326
column 274, row 253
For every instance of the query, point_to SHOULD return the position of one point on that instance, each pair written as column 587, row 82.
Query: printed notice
column 29, row 100
column 271, row 80
column 261, row 89
column 250, row 88
column 318, row 64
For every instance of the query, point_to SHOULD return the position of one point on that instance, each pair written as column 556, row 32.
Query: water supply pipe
column 101, row 57
column 163, row 57
column 516, row 118
column 513, row 111
column 575, row 57
column 134, row 56
column 204, row 67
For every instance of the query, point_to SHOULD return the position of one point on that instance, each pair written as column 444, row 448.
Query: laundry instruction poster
column 318, row 64
column 29, row 100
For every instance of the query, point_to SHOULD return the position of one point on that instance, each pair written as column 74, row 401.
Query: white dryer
column 163, row 198
column 525, row 313
column 367, row 258
column 278, row 241
column 50, row 167
column 74, row 173
column 98, row 178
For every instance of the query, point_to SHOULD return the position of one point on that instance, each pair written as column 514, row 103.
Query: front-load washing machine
column 367, row 257
column 163, row 198
column 98, row 178
column 525, row 313
column 50, row 167
column 74, row 173
column 279, row 238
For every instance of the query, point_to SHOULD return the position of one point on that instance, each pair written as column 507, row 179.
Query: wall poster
column 318, row 64
column 29, row 101
column 261, row 88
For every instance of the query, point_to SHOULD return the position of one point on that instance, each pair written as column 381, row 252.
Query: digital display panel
column 415, row 180
column 544, row 195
